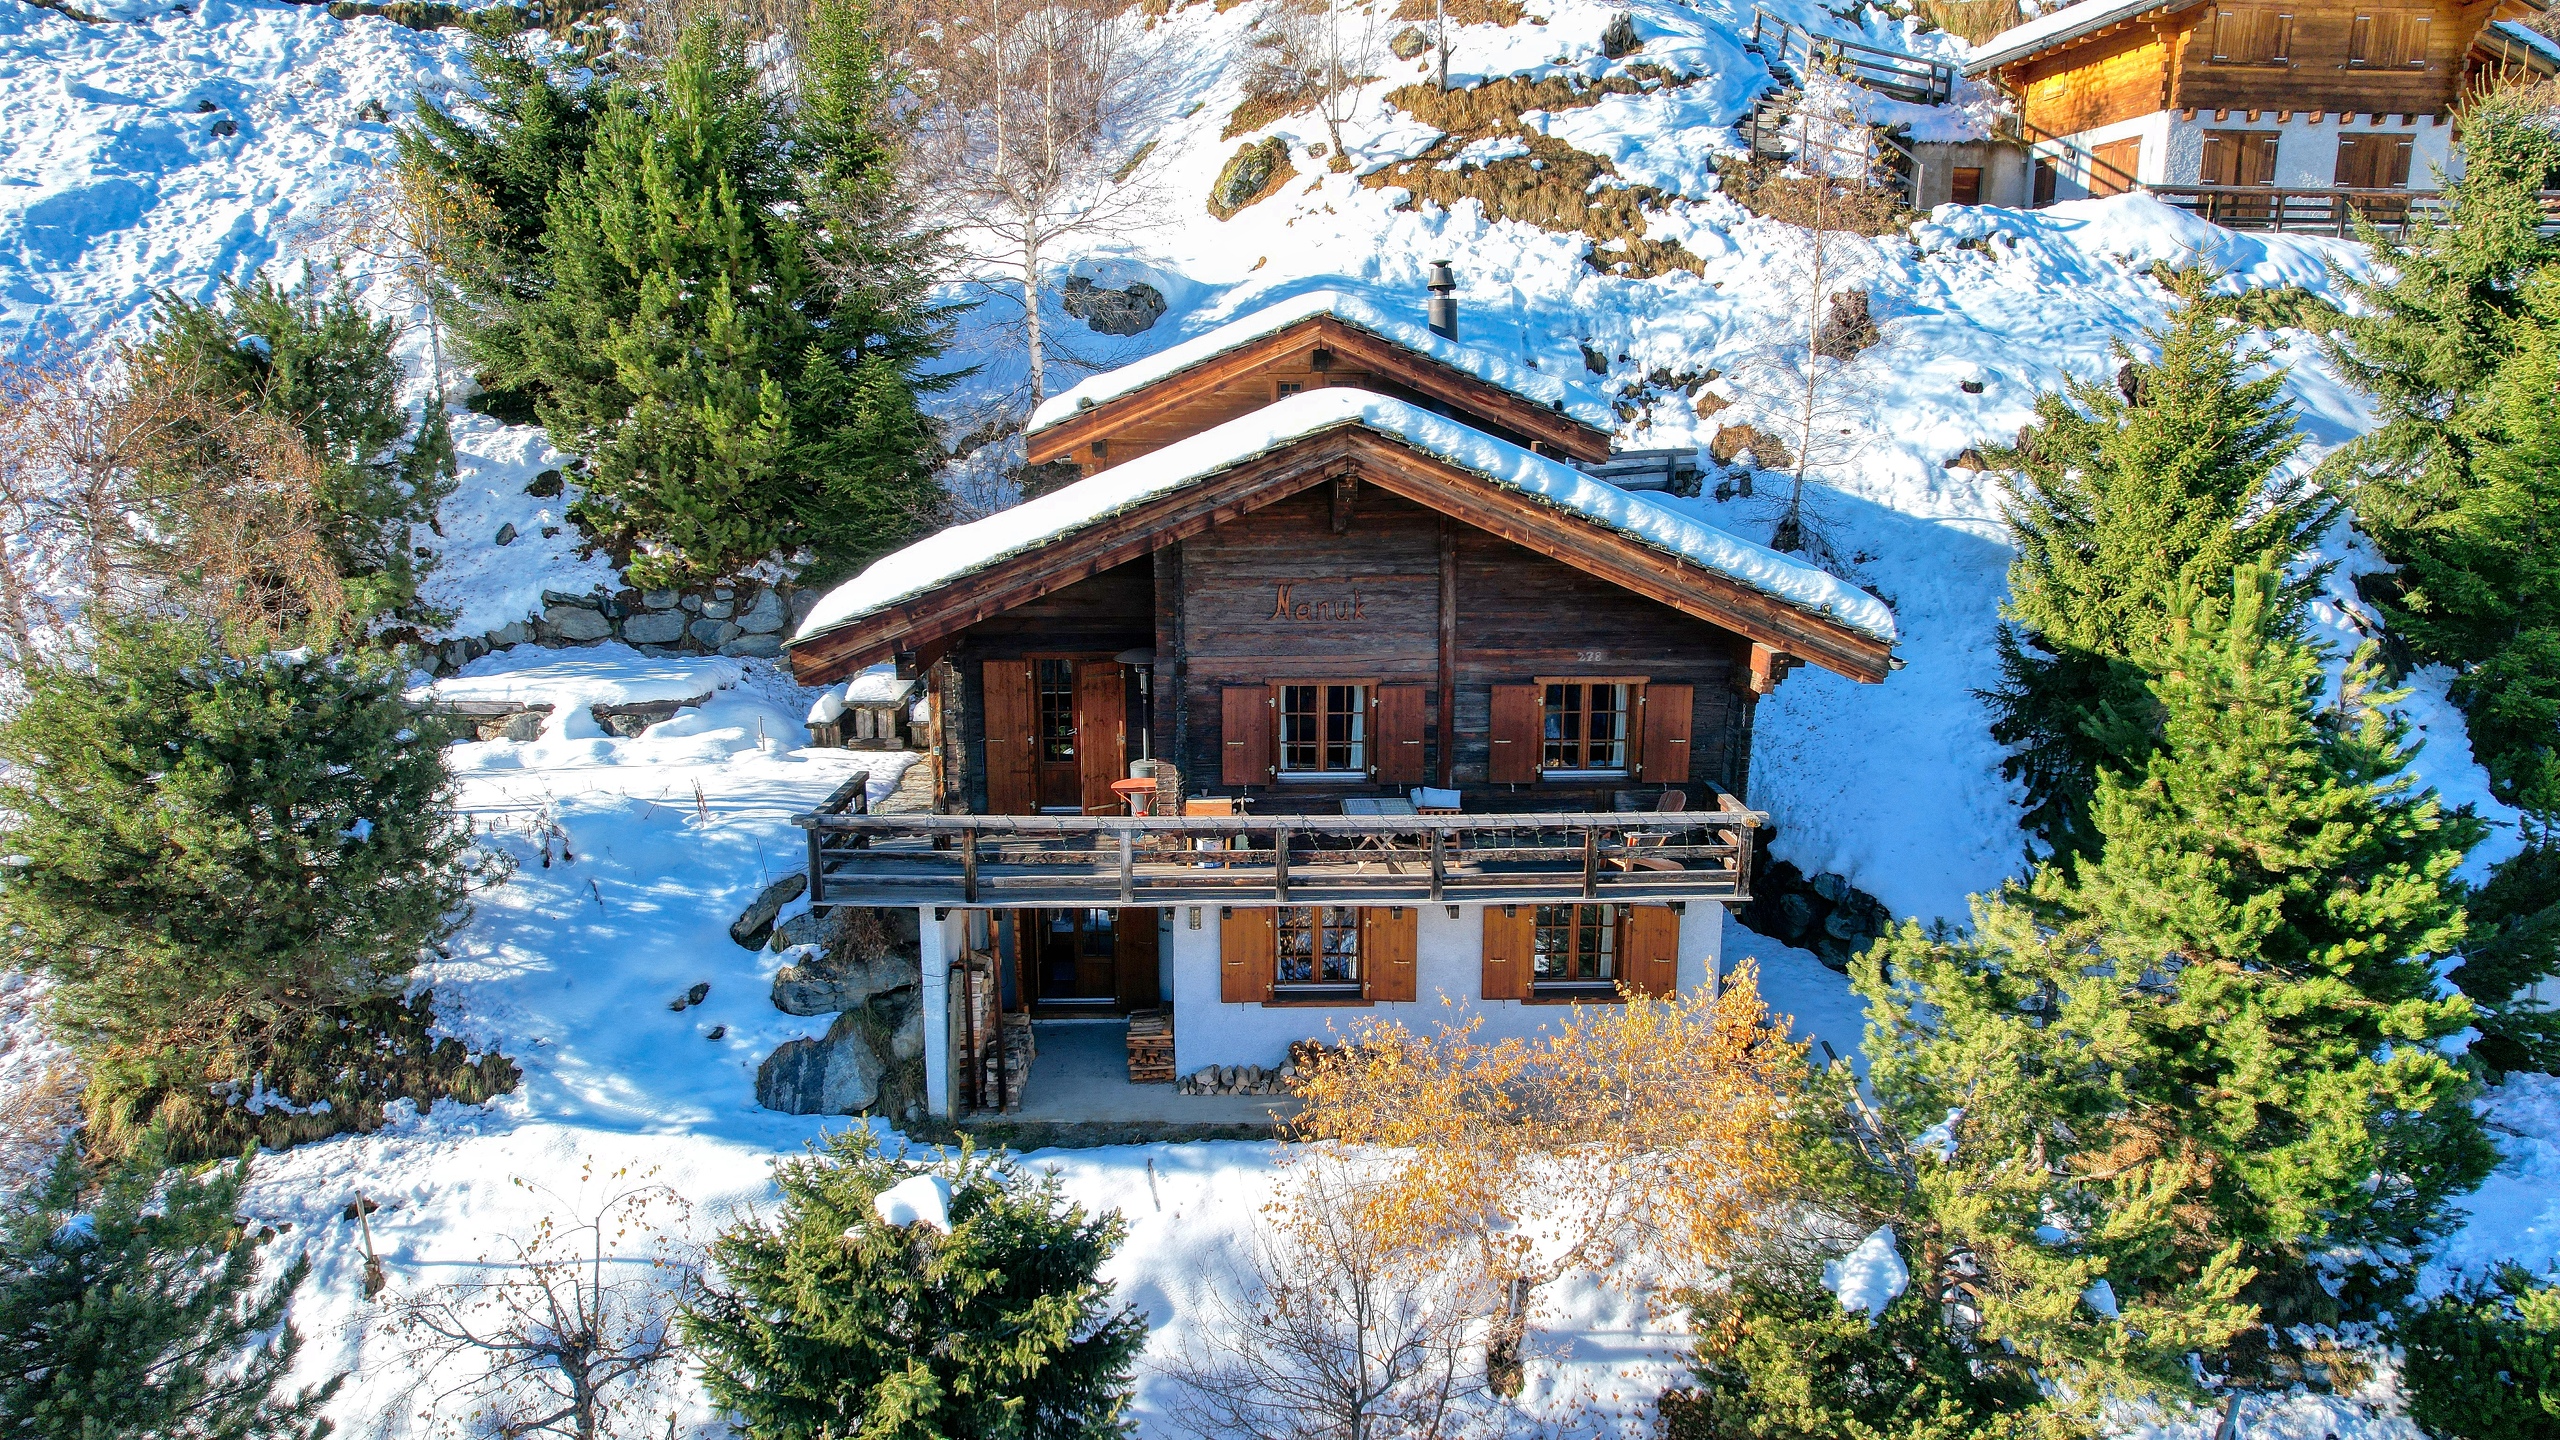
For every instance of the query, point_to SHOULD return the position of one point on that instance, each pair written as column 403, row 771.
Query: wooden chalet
column 1332, row 688
column 2249, row 112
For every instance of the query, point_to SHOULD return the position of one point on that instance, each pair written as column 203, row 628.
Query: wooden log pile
column 1150, row 1047
column 1007, row 1065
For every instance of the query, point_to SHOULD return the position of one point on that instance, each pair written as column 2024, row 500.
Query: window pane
column 1098, row 935
column 1607, row 746
column 1299, row 745
column 1341, row 944
column 1297, row 958
column 1057, row 682
column 1344, row 722
column 1564, row 728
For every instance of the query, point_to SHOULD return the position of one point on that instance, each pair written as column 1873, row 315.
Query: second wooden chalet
column 2314, row 95
column 1332, row 690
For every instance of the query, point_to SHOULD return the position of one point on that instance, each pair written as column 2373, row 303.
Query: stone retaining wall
column 740, row 619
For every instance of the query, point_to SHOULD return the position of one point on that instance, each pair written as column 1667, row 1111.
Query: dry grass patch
column 1974, row 20
column 1495, row 107
column 1814, row 202
column 1505, row 13
column 1549, row 187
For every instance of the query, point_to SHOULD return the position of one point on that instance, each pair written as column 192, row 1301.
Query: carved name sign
column 1285, row 605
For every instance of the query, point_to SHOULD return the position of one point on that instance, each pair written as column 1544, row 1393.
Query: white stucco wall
column 939, row 943
column 2306, row 149
column 1207, row 1031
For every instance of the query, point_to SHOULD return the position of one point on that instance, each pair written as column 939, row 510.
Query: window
column 1577, row 949
column 1324, row 730
column 1283, row 389
column 2380, row 39
column 1586, row 728
column 2255, row 35
column 2239, row 157
column 1319, row 949
column 1057, row 690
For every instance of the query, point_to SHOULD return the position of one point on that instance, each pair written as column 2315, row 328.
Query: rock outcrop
column 836, row 1075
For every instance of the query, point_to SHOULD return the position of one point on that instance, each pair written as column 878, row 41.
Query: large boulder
column 837, row 1075
column 1130, row 310
column 654, row 627
column 1255, row 170
column 756, row 921
column 814, row 986
column 577, row 622
column 766, row 615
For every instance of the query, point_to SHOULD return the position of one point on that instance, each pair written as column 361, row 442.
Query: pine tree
column 685, row 340
column 2514, row 945
column 2201, row 1054
column 829, row 1322
column 2275, row 874
column 496, row 172
column 310, row 355
column 203, row 835
column 2484, row 1361
column 2429, row 335
column 131, row 1306
column 2119, row 494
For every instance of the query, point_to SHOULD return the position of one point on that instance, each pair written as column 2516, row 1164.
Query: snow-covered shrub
column 2484, row 1362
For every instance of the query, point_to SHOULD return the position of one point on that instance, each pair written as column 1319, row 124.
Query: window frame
column 1630, row 741
column 1318, row 927
column 1608, row 929
column 1363, row 743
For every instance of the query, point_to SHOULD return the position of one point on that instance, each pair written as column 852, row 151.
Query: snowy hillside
column 185, row 144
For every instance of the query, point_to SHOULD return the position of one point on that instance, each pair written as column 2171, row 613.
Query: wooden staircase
column 1770, row 132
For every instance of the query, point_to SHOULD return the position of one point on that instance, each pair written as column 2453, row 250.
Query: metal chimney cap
column 1441, row 277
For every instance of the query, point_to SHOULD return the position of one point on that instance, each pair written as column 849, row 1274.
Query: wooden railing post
column 969, row 866
column 1280, row 865
column 1591, row 863
column 817, row 868
column 1439, row 863
column 1127, row 866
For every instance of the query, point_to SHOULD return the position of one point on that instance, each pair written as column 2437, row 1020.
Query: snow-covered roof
column 1349, row 309
column 967, row 549
column 2055, row 26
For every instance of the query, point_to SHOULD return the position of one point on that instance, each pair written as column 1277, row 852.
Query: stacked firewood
column 1150, row 1047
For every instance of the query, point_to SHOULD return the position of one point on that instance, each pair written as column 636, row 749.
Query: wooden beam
column 1448, row 658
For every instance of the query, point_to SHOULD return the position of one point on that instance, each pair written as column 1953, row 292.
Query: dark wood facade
column 1420, row 610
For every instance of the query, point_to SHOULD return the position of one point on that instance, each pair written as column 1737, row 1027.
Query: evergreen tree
column 2484, row 1361
column 829, row 1321
column 1780, row 1359
column 203, row 836
column 2207, row 1051
column 496, row 172
column 311, row 356
column 2118, row 495
column 134, row 1310
column 2428, row 336
column 688, row 342
column 2514, row 946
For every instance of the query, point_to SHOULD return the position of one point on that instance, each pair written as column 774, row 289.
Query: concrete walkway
column 1080, row 1074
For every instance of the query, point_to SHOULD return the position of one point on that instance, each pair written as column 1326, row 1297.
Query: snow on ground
column 116, row 185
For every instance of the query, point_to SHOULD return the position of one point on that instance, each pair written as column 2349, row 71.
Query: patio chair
column 1672, row 801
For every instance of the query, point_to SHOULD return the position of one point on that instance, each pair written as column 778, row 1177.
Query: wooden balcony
column 858, row 858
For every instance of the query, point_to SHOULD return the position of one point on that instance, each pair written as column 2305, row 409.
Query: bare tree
column 1025, row 137
column 1338, row 1325
column 413, row 229
column 1319, row 50
column 568, row 1332
column 125, row 491
column 1814, row 381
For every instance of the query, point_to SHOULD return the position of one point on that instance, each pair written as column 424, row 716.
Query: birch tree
column 1024, row 139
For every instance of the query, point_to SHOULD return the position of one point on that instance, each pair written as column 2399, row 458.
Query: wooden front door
column 2114, row 166
column 1100, row 957
column 1079, row 729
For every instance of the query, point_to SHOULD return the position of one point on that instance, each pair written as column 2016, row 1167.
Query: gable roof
column 1534, row 403
column 2060, row 27
column 949, row 581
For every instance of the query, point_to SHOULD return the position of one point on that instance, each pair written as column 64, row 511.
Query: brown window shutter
column 1010, row 742
column 2281, row 48
column 2360, row 40
column 2414, row 52
column 1247, row 944
column 1517, row 718
column 1650, row 948
column 1244, row 735
column 1390, row 947
column 2396, row 175
column 2227, row 31
column 1102, row 734
column 1670, row 715
column 1396, row 735
column 1510, row 937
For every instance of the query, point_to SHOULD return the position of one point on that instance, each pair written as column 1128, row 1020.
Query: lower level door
column 1099, row 957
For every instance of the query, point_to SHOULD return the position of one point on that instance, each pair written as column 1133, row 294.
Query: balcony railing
column 2317, row 212
column 1050, row 860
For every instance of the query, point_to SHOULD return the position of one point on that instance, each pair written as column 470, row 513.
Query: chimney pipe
column 1444, row 300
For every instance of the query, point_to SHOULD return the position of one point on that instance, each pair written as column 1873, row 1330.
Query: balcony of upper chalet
column 1343, row 647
